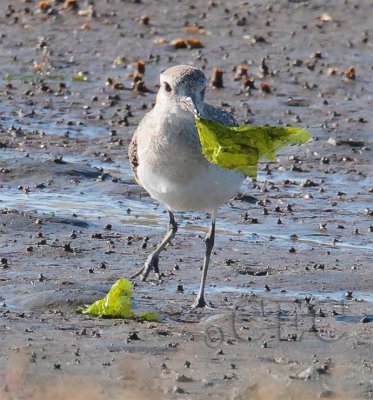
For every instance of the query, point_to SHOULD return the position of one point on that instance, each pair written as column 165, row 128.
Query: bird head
column 182, row 86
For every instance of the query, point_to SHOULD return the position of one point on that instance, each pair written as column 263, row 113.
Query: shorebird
column 167, row 161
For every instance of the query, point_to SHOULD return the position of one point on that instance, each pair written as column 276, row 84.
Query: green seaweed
column 117, row 304
column 242, row 147
column 45, row 77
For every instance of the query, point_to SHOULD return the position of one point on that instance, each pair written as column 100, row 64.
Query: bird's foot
column 201, row 303
column 150, row 264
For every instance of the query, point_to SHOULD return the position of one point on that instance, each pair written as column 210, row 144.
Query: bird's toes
column 201, row 303
column 138, row 273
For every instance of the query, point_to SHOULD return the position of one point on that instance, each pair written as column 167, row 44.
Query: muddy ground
column 291, row 277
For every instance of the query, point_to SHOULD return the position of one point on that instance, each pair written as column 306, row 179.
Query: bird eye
column 167, row 87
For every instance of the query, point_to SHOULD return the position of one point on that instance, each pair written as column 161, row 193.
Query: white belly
column 202, row 187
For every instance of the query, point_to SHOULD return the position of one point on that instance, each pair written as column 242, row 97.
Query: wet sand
column 290, row 281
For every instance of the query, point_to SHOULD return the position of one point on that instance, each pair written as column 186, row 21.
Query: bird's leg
column 210, row 238
column 152, row 261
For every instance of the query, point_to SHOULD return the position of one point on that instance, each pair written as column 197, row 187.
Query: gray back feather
column 218, row 115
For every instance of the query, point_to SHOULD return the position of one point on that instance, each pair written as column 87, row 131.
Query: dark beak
column 190, row 105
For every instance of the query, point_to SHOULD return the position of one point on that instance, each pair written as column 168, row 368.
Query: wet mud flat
column 291, row 278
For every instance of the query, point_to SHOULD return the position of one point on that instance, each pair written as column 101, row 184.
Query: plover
column 167, row 161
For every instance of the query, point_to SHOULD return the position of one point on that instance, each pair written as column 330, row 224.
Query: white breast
column 207, row 188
